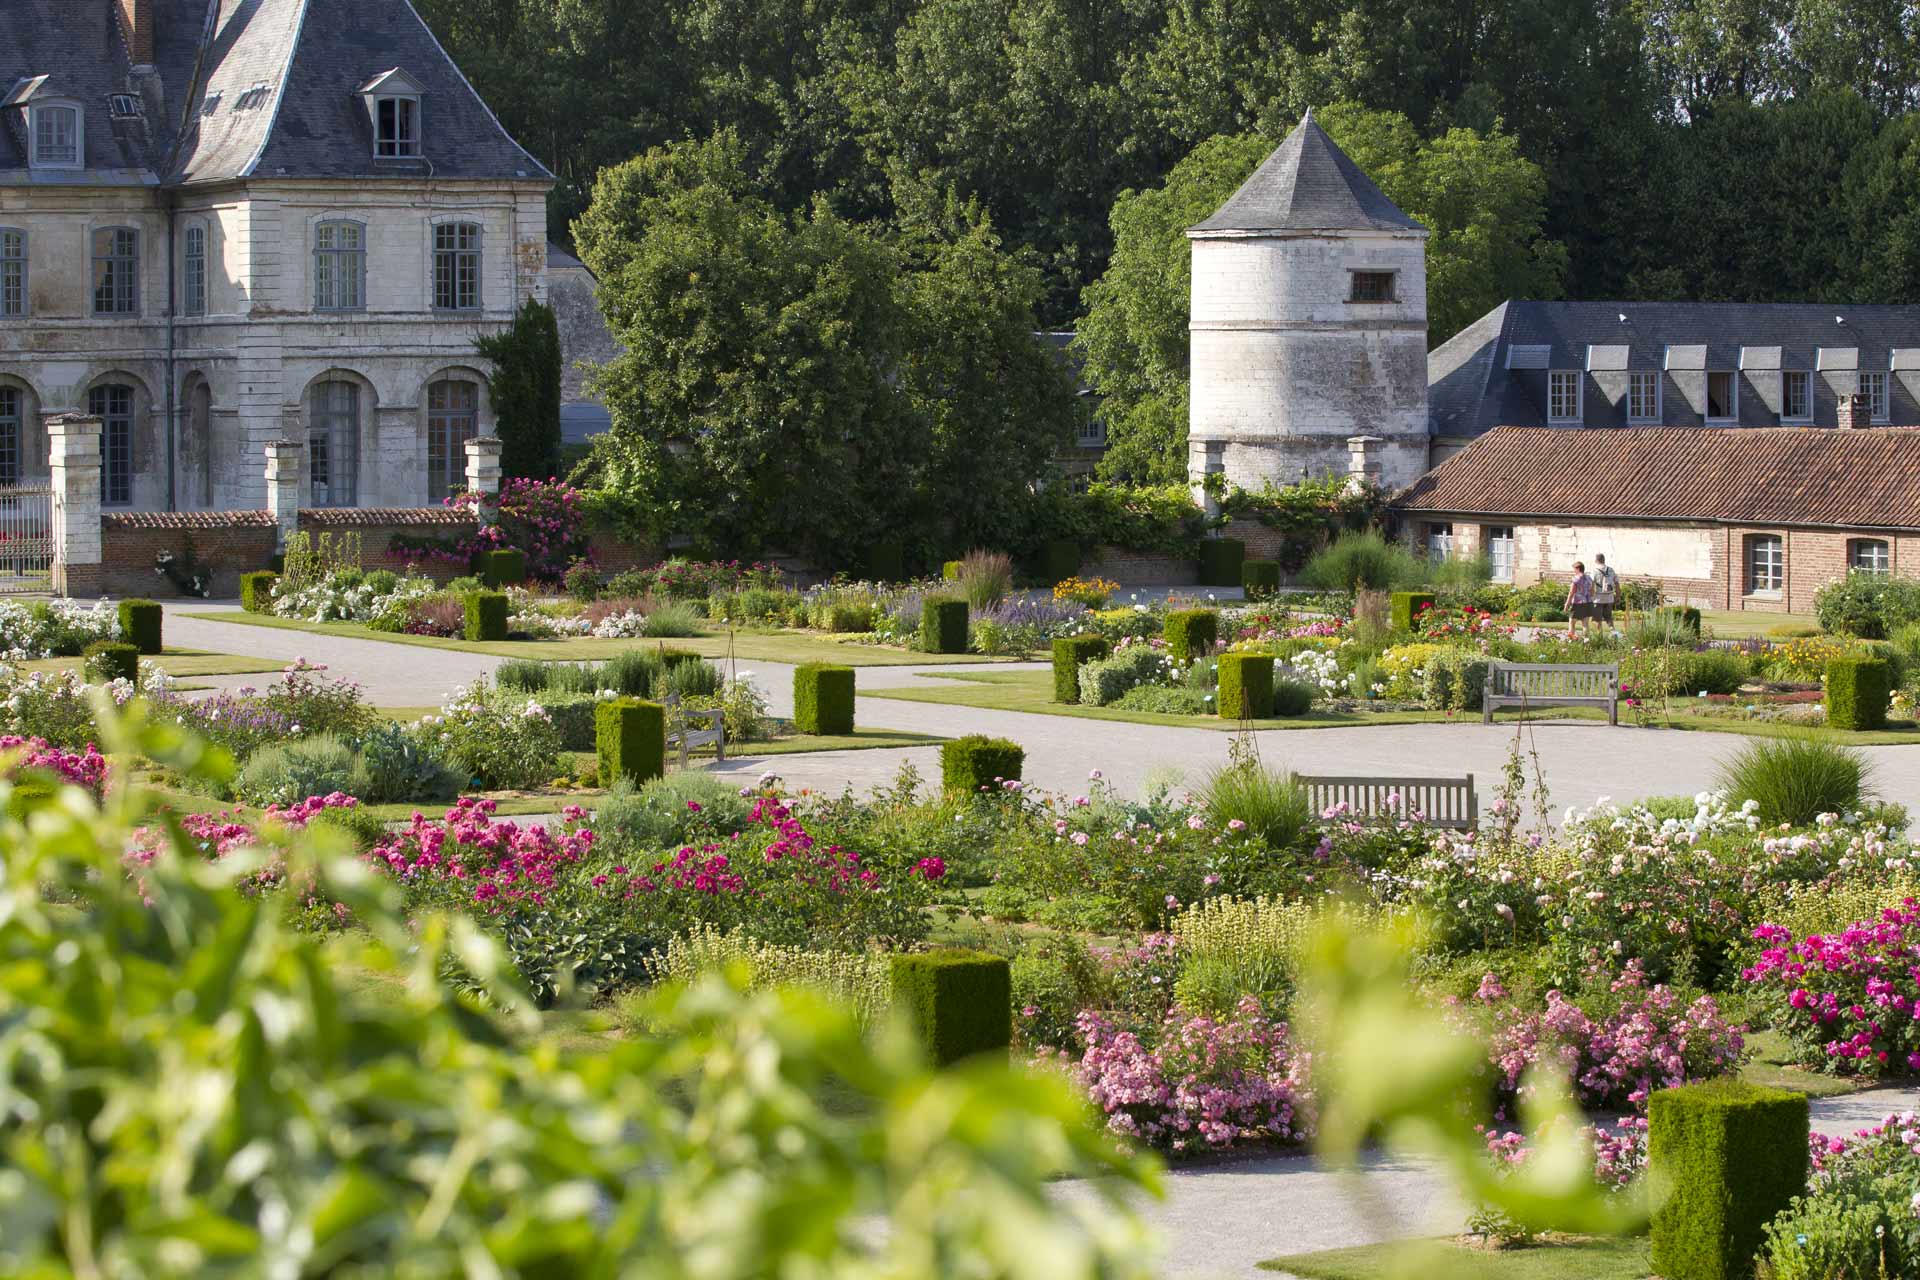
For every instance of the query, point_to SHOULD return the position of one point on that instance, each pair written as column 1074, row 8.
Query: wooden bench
column 1549, row 684
column 1442, row 802
column 688, row 738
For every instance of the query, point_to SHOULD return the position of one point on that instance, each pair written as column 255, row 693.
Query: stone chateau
column 225, row 223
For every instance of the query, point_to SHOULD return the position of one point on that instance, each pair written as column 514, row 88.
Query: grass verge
column 747, row 646
column 1772, row 1065
column 1570, row 1258
column 179, row 662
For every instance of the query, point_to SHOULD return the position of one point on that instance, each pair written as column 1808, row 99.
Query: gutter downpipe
column 173, row 293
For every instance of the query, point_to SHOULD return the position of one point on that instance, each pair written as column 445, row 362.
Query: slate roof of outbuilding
column 1308, row 184
column 1469, row 389
column 1804, row 476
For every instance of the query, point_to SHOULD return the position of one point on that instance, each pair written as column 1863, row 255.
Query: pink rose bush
column 1205, row 1083
column 85, row 768
column 491, row 865
column 1619, row 1150
column 215, row 835
column 1848, row 1000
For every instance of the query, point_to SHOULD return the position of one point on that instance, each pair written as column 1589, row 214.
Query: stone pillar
column 73, row 442
column 1363, row 461
column 483, row 476
column 283, row 488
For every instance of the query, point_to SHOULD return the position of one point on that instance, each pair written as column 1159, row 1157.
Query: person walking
column 1606, row 589
column 1579, row 606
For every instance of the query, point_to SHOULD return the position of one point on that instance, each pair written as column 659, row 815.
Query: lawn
column 1032, row 692
column 749, row 646
column 1573, row 1258
column 178, row 662
column 1739, row 624
column 1773, row 1067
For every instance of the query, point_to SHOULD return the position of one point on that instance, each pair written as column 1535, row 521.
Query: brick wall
column 1141, row 568
column 228, row 542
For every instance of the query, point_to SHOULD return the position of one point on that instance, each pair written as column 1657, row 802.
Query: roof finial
column 1307, row 118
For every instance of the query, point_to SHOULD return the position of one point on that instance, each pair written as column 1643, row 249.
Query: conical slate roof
column 1308, row 184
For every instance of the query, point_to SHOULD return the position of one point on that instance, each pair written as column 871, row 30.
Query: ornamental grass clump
column 1364, row 559
column 861, row 981
column 1795, row 778
column 1269, row 805
column 985, row 578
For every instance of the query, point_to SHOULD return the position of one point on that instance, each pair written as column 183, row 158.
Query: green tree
column 526, row 391
column 1481, row 200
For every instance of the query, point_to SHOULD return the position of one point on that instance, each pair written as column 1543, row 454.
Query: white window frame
column 45, row 111
column 1876, row 386
column 400, row 146
column 347, row 265
column 1554, row 381
column 1502, row 550
column 13, row 273
column 1884, row 555
column 1776, row 563
column 1439, row 540
column 1636, row 378
column 1786, row 397
column 193, row 269
column 1733, row 396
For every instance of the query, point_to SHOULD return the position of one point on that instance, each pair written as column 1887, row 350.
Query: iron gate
column 26, row 539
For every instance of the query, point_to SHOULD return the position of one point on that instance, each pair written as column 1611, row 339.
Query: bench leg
column 1486, row 711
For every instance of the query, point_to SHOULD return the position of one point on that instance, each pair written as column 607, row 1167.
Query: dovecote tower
column 1309, row 324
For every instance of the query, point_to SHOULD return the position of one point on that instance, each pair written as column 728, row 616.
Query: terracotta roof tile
column 365, row 516
column 189, row 519
column 1735, row 475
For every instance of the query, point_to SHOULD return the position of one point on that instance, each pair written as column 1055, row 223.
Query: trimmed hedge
column 1106, row 680
column 111, row 660
column 822, row 698
column 501, row 568
column 1191, row 632
column 976, row 761
column 1407, row 606
column 1222, row 561
column 1070, row 653
column 887, row 562
column 630, row 740
column 140, row 624
column 1059, row 560
column 1456, row 680
column 1728, row 1156
column 1260, row 578
column 256, row 590
column 486, row 615
column 960, row 1002
column 1246, row 686
column 573, row 718
column 943, row 626
column 950, row 571
column 1858, row 689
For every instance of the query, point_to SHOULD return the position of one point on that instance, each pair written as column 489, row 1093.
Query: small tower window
column 1371, row 286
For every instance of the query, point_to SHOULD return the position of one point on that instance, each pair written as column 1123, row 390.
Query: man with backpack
column 1606, row 589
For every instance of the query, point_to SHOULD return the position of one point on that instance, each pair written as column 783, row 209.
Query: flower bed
column 1848, row 1000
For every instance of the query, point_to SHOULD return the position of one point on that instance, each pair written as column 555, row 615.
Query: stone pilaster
column 283, row 488
column 483, row 476
column 73, row 442
column 1363, row 462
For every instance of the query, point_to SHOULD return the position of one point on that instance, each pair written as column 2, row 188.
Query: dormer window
column 55, row 133
column 392, row 100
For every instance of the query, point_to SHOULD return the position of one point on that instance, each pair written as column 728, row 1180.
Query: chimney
column 136, row 28
column 1850, row 412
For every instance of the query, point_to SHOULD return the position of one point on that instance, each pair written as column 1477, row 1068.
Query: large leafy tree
column 804, row 383
column 1481, row 200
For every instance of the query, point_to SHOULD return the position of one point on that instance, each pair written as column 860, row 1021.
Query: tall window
column 1563, row 395
column 1372, row 286
column 339, row 266
column 1723, row 397
column 1643, row 396
column 1766, row 563
column 1869, row 555
column 12, row 426
column 56, row 137
column 1796, row 396
column 1439, row 542
column 113, row 405
column 453, row 410
column 1500, row 551
column 196, row 271
column 1874, row 387
column 116, row 272
column 333, row 444
column 13, row 272
column 396, row 127
column 456, row 266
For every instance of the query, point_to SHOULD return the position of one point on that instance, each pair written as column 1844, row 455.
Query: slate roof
column 247, row 88
column 1802, row 476
column 1469, row 389
column 1308, row 184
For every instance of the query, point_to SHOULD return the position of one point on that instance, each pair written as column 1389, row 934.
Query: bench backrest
column 1547, row 680
column 1443, row 802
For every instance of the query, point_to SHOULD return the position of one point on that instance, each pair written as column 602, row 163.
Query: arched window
column 13, row 427
column 116, row 271
column 13, row 272
column 333, row 444
column 453, row 414
column 195, row 284
column 113, row 405
column 456, row 266
column 339, row 266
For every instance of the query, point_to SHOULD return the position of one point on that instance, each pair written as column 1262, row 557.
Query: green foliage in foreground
column 193, row 1090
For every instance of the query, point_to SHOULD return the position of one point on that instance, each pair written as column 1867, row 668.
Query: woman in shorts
column 1579, row 607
